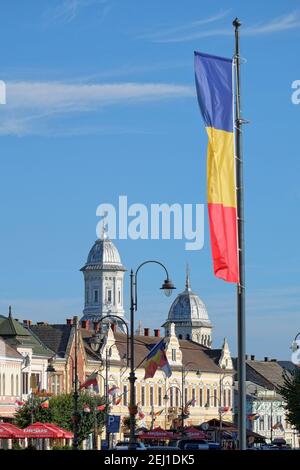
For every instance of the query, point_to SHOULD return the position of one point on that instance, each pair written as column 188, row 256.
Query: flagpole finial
column 236, row 23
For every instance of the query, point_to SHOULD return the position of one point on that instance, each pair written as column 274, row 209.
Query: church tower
column 189, row 314
column 103, row 282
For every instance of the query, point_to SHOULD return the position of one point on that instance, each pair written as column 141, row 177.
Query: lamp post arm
column 135, row 277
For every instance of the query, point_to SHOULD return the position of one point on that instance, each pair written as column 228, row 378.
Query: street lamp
column 167, row 287
column 166, row 398
column 220, row 415
column 184, row 373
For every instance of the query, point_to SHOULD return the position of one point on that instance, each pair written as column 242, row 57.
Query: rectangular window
column 55, row 384
column 177, row 396
column 119, row 296
column 194, row 396
column 143, row 396
column 201, row 397
column 224, row 398
column 171, row 398
column 229, row 397
column 185, row 395
column 151, row 396
column 261, row 423
column 159, row 396
column 174, row 355
column 208, row 397
column 96, row 296
column 35, row 382
column 215, row 398
column 125, row 391
column 109, row 296
column 24, row 383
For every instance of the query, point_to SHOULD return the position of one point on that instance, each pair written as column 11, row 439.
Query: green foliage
column 290, row 391
column 60, row 412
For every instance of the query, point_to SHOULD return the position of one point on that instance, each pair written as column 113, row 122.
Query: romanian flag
column 215, row 97
column 45, row 403
column 91, row 380
column 157, row 359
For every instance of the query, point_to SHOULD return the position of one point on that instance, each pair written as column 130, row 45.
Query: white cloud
column 188, row 33
column 65, row 11
column 31, row 104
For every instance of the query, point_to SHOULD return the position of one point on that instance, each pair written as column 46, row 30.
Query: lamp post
column 220, row 415
column 75, row 393
column 166, row 398
column 184, row 373
column 167, row 287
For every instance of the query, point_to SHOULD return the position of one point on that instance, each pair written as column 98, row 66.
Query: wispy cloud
column 66, row 11
column 30, row 105
column 196, row 30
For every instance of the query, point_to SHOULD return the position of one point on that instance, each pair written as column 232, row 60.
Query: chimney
column 85, row 324
column 157, row 332
column 146, row 331
column 96, row 326
column 113, row 327
column 252, row 357
column 246, row 357
column 25, row 322
column 69, row 321
column 266, row 358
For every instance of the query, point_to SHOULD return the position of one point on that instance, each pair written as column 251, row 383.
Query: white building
column 23, row 364
column 103, row 282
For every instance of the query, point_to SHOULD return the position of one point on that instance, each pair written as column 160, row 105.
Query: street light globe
column 168, row 287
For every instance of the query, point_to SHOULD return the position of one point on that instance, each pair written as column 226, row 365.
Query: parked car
column 191, row 444
column 124, row 445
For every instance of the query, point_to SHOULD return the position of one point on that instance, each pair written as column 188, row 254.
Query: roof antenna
column 187, row 278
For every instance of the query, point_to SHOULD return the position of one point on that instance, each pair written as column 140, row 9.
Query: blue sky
column 101, row 103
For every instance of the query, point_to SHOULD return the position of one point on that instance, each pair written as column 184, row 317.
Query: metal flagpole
column 241, row 328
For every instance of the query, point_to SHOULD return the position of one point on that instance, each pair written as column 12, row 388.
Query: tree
column 290, row 390
column 60, row 413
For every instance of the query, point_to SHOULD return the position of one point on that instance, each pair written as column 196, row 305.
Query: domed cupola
column 189, row 314
column 103, row 278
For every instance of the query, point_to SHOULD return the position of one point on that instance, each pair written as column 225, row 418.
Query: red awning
column 43, row 431
column 66, row 434
column 157, row 433
column 14, row 431
column 194, row 433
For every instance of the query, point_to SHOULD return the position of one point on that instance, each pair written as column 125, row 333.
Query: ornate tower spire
column 187, row 278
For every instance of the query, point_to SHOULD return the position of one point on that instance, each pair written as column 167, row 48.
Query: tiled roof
column 9, row 350
column 55, row 337
column 266, row 374
column 191, row 352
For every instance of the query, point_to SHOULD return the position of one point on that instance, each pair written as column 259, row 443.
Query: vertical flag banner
column 215, row 97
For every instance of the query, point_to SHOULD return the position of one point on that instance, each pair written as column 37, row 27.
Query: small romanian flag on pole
column 91, row 380
column 157, row 359
column 215, row 97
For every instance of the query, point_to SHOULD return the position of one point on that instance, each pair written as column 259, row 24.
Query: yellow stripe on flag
column 220, row 168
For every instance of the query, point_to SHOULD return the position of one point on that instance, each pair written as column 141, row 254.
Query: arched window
column 180, row 336
column 12, row 388
column 188, row 337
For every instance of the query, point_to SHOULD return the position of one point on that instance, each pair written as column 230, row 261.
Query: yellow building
column 204, row 375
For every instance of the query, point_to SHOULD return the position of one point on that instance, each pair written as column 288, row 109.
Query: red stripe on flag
column 223, row 236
